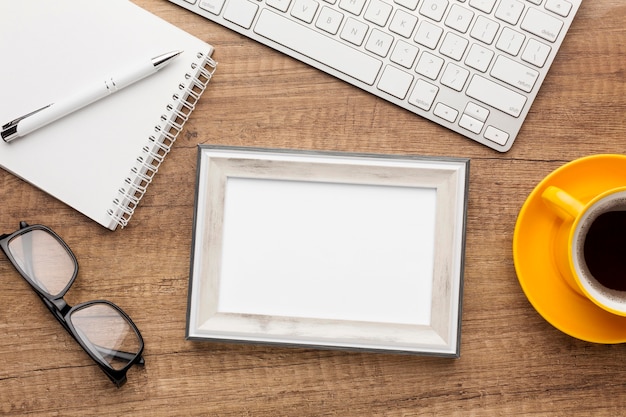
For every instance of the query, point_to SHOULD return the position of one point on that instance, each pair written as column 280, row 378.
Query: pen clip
column 9, row 130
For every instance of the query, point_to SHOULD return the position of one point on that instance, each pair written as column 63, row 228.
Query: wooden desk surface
column 512, row 361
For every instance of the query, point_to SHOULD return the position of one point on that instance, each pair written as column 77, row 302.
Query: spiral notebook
column 100, row 159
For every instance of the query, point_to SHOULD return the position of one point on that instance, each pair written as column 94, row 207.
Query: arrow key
column 471, row 124
column 446, row 112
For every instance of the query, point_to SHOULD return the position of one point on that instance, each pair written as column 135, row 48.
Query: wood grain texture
column 512, row 362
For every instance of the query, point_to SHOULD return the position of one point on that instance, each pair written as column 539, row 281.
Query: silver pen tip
column 161, row 60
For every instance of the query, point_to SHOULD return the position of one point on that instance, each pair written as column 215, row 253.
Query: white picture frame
column 330, row 250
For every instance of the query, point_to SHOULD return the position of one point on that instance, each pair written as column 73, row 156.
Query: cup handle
column 561, row 203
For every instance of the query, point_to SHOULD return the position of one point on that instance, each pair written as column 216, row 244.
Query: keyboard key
column 485, row 30
column 483, row 5
column 476, row 111
column 514, row 73
column 404, row 54
column 542, row 24
column 459, row 18
column 403, row 23
column 354, row 31
column 510, row 41
column 281, row 5
column 241, row 12
column 434, row 9
column 395, row 82
column 445, row 112
column 428, row 34
column 454, row 77
column 424, row 94
column 510, row 11
column 379, row 43
column 429, row 65
column 329, row 20
column 378, row 12
column 352, row 6
column 496, row 96
column 496, row 135
column 304, row 10
column 318, row 47
column 453, row 46
column 479, row 57
column 471, row 124
column 560, row 7
column 536, row 53
column 409, row 4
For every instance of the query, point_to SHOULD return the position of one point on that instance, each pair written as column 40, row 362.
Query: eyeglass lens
column 107, row 334
column 43, row 259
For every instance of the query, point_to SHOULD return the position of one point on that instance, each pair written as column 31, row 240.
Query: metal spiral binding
column 159, row 144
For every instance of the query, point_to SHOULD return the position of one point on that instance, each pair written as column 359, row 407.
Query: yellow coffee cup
column 591, row 250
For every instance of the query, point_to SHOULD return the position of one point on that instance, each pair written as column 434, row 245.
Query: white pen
column 34, row 120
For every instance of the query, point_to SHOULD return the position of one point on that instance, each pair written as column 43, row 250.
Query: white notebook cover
column 51, row 48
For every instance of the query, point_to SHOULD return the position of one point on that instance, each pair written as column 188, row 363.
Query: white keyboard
column 473, row 66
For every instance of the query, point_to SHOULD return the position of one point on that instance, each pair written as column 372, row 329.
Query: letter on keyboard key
column 434, row 9
column 354, row 31
column 318, row 47
column 403, row 23
column 495, row 95
column 378, row 12
column 329, row 20
column 304, row 10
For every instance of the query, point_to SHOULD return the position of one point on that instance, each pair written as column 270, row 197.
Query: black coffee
column 605, row 250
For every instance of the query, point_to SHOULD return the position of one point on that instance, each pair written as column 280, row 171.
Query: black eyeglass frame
column 61, row 310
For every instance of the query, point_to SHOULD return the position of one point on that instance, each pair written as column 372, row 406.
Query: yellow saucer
column 533, row 241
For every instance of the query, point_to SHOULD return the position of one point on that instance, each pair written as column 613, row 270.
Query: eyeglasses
column 101, row 328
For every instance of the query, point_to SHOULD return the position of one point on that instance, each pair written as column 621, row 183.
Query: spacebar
column 318, row 47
